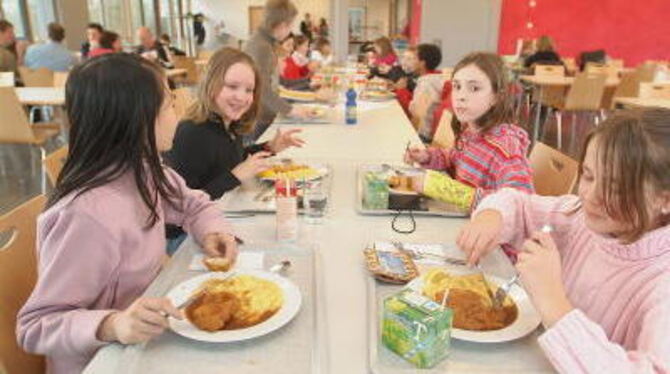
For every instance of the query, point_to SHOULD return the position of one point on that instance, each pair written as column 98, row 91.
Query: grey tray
column 435, row 208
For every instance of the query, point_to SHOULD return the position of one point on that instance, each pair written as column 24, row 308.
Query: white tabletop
column 382, row 134
column 643, row 102
column 41, row 95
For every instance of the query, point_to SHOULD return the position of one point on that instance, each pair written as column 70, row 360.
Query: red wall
column 635, row 30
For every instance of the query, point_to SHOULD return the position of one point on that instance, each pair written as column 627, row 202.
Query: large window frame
column 24, row 27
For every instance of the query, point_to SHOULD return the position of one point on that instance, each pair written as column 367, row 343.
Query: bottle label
column 351, row 114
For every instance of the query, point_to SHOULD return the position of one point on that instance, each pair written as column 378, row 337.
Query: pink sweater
column 621, row 293
column 94, row 258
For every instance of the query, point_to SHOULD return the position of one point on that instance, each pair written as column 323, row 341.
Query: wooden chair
column 182, row 100
column 192, row 71
column 60, row 78
column 654, row 90
column 570, row 64
column 552, row 70
column 18, row 274
column 41, row 77
column 53, row 163
column 16, row 129
column 444, row 135
column 629, row 86
column 7, row 79
column 554, row 173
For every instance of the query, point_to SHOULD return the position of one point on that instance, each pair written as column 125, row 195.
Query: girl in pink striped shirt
column 601, row 279
column 101, row 239
column 489, row 152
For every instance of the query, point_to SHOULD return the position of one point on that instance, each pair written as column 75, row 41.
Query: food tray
column 429, row 207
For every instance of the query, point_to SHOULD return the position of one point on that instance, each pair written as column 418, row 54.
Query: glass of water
column 315, row 201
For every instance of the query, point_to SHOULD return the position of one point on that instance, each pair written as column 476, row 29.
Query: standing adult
column 52, row 55
column 262, row 47
column 322, row 30
column 306, row 26
column 93, row 33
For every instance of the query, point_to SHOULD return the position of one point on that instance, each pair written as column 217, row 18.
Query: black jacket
column 205, row 154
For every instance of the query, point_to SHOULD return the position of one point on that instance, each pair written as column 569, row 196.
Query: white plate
column 291, row 306
column 525, row 323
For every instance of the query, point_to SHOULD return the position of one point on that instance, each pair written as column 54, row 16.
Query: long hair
column 205, row 106
column 501, row 110
column 385, row 46
column 634, row 156
column 112, row 104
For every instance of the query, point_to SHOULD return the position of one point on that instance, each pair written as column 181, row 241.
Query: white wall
column 235, row 14
column 377, row 16
column 460, row 26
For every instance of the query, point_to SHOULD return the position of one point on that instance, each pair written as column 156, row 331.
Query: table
column 638, row 102
column 41, row 95
column 555, row 81
column 381, row 135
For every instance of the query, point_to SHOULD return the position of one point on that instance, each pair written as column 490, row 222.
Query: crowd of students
column 600, row 280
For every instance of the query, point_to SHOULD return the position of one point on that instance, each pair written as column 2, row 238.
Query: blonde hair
column 277, row 12
column 205, row 106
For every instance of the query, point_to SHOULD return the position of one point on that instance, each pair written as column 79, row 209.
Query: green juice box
column 416, row 328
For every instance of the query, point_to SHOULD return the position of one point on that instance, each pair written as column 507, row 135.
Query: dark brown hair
column 501, row 110
column 56, row 32
column 300, row 40
column 4, row 25
column 634, row 156
column 107, row 39
column 212, row 84
column 384, row 44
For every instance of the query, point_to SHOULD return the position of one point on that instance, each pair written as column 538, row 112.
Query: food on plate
column 290, row 171
column 377, row 84
column 217, row 263
column 375, row 94
column 468, row 298
column 297, row 95
column 401, row 183
column 234, row 303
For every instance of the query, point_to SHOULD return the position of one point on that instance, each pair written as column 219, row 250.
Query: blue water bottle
column 350, row 107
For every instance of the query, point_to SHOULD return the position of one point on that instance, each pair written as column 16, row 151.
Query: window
column 41, row 13
column 13, row 11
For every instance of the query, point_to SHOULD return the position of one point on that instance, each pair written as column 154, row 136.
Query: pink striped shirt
column 621, row 292
column 487, row 161
column 94, row 257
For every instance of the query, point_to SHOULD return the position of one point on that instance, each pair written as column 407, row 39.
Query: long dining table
column 381, row 135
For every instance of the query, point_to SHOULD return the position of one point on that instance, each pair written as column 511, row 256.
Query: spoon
column 280, row 267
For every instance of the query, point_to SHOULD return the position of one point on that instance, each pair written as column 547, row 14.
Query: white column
column 339, row 33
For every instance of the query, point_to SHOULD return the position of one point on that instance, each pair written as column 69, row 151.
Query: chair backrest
column 570, row 64
column 15, row 127
column 629, row 86
column 655, row 90
column 53, row 163
column 182, row 101
column 616, row 62
column 18, row 274
column 60, row 78
column 554, row 173
column 646, row 72
column 7, row 79
column 188, row 63
column 595, row 68
column 586, row 92
column 41, row 77
column 444, row 135
column 553, row 70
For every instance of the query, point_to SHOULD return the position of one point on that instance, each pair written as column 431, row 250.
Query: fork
column 418, row 255
column 503, row 290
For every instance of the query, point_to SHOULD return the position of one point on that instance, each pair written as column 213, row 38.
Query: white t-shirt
column 317, row 56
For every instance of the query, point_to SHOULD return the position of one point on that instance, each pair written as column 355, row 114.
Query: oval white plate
column 321, row 170
column 525, row 323
column 291, row 306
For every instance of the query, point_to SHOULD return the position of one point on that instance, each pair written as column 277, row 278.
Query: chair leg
column 559, row 129
column 43, row 155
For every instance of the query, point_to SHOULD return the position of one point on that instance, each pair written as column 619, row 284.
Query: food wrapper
column 392, row 267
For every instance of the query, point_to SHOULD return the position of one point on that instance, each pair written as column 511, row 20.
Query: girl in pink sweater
column 101, row 239
column 601, row 279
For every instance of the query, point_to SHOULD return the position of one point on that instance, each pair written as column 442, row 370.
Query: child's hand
column 285, row 139
column 142, row 321
column 218, row 244
column 539, row 265
column 253, row 165
column 416, row 154
column 481, row 235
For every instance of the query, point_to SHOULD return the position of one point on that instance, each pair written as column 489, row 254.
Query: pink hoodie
column 94, row 257
column 621, row 293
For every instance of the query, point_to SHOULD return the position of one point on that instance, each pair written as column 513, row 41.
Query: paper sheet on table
column 245, row 260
